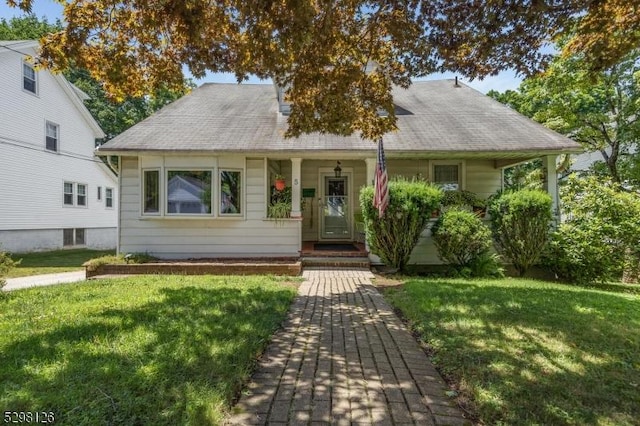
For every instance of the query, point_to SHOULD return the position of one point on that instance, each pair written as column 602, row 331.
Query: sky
column 506, row 80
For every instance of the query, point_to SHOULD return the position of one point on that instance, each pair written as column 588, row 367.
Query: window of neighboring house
column 67, row 237
column 189, row 192
column 108, row 198
column 230, row 192
column 82, row 195
column 447, row 176
column 99, row 193
column 52, row 136
column 29, row 82
column 151, row 192
column 80, row 237
column 73, row 237
column 68, row 193
column 75, row 194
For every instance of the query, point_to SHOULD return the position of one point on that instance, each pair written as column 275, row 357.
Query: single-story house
column 226, row 141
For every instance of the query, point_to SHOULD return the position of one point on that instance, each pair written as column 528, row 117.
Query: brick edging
column 244, row 268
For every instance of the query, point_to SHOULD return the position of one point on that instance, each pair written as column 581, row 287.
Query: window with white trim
column 75, row 194
column 82, row 195
column 230, row 192
column 194, row 192
column 68, row 193
column 151, row 191
column 29, row 78
column 52, row 136
column 447, row 176
column 189, row 192
column 108, row 198
column 99, row 193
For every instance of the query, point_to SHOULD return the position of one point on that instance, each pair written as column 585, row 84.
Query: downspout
column 113, row 167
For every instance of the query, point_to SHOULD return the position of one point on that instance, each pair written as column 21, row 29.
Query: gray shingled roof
column 244, row 118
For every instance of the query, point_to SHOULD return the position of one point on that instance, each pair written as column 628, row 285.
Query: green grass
column 50, row 262
column 161, row 350
column 530, row 352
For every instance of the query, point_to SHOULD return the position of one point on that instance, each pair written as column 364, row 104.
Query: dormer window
column 29, row 82
column 284, row 107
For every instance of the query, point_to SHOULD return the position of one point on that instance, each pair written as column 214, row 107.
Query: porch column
column 295, row 187
column 371, row 170
column 551, row 183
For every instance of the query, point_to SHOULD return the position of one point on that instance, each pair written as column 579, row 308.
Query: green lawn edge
column 158, row 349
column 523, row 351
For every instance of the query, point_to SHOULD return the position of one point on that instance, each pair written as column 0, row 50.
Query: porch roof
column 434, row 117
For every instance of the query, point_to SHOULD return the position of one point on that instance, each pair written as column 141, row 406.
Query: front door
column 335, row 208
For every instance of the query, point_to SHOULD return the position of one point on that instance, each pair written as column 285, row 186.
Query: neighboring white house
column 54, row 192
column 226, row 141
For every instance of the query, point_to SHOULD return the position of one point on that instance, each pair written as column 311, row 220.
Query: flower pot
column 280, row 184
column 480, row 211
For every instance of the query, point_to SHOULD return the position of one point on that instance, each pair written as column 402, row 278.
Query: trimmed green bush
column 6, row 264
column 520, row 223
column 394, row 236
column 460, row 237
column 600, row 237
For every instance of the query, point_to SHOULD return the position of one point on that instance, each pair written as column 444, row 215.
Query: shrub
column 6, row 264
column 520, row 222
column 600, row 238
column 394, row 236
column 460, row 237
column 487, row 264
column 120, row 259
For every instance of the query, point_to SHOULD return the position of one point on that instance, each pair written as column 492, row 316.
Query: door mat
column 334, row 247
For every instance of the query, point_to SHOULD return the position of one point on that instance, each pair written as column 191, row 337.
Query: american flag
column 381, row 195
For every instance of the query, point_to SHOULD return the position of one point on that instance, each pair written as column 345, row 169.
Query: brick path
column 343, row 357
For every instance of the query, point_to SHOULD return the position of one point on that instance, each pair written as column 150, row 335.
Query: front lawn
column 161, row 350
column 530, row 352
column 50, row 262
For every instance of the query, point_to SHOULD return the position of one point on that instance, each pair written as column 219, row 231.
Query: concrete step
column 336, row 262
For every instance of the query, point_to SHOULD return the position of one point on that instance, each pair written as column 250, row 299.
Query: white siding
column 252, row 235
column 31, row 194
column 210, row 237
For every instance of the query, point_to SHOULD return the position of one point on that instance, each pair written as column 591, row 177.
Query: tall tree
column 28, row 27
column 113, row 116
column 598, row 110
column 321, row 50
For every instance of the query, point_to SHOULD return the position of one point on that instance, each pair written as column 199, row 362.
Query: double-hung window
column 29, row 79
column 108, row 198
column 74, row 194
column 52, row 136
column 82, row 195
column 68, row 193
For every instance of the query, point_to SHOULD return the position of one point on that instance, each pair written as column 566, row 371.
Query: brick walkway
column 343, row 357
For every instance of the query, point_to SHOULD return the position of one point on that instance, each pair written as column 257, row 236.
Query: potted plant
column 279, row 210
column 479, row 207
column 280, row 182
column 280, row 203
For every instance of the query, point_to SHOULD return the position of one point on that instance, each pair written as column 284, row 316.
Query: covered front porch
column 324, row 193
